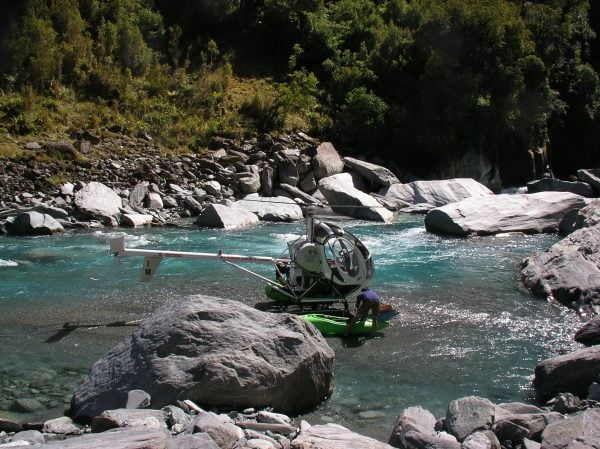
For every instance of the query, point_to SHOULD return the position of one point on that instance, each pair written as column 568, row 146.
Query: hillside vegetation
column 415, row 82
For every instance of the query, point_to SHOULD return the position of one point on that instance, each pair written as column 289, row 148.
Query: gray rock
column 287, row 172
column 530, row 425
column 416, row 440
column 468, row 414
column 8, row 425
column 26, row 405
column 95, row 200
column 297, row 193
column 31, row 436
column 530, row 213
column 591, row 176
column 569, row 271
column 249, row 181
column 169, row 202
column 153, row 201
column 415, row 419
column 333, row 436
column 138, row 399
column 219, row 216
column 437, row 193
column 477, row 440
column 277, row 208
column 374, row 173
column 594, row 392
column 272, row 418
column 581, row 430
column 177, row 419
column 54, row 212
column 225, row 434
column 63, row 425
column 345, row 198
column 326, row 161
column 212, row 188
column 266, row 181
column 126, row 438
column 192, row 204
column 572, row 372
column 122, row 417
column 558, row 185
column 581, row 218
column 33, row 223
column 138, row 194
column 515, row 408
column 308, row 183
column 217, row 353
column 566, row 403
column 194, row 441
column 134, row 220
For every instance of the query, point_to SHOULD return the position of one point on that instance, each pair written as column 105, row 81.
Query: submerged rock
column 217, row 353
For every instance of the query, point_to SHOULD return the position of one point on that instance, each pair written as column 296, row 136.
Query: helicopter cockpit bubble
column 308, row 258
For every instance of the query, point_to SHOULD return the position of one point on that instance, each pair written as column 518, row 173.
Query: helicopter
column 326, row 265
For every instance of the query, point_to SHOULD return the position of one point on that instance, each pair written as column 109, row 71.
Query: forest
column 413, row 82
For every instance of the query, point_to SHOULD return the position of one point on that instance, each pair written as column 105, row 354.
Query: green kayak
column 336, row 325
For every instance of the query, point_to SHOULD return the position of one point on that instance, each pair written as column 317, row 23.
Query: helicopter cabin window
column 341, row 254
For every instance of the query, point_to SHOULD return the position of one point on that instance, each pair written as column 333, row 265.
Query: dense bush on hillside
column 418, row 82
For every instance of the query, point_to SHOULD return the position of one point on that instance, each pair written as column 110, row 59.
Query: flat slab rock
column 528, row 213
column 333, row 436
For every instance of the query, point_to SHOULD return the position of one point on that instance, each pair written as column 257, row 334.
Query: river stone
column 468, row 414
column 529, row 213
column 374, row 173
column 578, row 431
column 126, row 417
column 530, row 425
column 33, row 437
column 295, row 192
column 276, row 208
column 137, row 195
column 417, row 440
column 134, row 220
column 589, row 333
column 436, row 193
column 96, row 200
column 219, row 216
column 413, row 418
column 63, row 425
column 216, row 352
column 558, row 185
column 125, row 438
column 339, row 191
column 138, row 399
column 154, row 201
column 287, row 172
column 194, row 441
column 591, row 176
column 573, row 373
column 326, row 161
column 583, row 218
column 333, row 436
column 225, row 434
column 569, row 271
column 33, row 223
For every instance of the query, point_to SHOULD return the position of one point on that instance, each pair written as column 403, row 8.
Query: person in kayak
column 366, row 301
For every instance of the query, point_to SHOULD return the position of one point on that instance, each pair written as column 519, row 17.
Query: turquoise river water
column 464, row 327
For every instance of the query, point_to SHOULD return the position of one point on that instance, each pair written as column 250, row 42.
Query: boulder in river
column 569, row 271
column 436, row 192
column 276, row 208
column 219, row 216
column 580, row 430
column 466, row 415
column 346, row 199
column 570, row 373
column 558, row 185
column 217, row 353
column 589, row 333
column 33, row 223
column 529, row 213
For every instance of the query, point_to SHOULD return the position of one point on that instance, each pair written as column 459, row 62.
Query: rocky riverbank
column 125, row 181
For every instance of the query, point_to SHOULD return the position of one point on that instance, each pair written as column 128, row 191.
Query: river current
column 465, row 327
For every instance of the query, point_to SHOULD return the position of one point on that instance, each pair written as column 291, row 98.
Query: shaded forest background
column 415, row 82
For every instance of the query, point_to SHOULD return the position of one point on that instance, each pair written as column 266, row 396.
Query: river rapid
column 464, row 327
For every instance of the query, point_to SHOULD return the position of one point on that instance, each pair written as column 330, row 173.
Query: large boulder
column 333, row 436
column 327, row 161
column 412, row 419
column 589, row 333
column 219, row 216
column 581, row 218
column 276, row 208
column 466, row 415
column 217, row 353
column 558, row 185
column 374, row 173
column 345, row 198
column 569, row 271
column 591, row 176
column 529, row 213
column 570, row 373
column 33, row 223
column 580, row 430
column 95, row 200
column 437, row 192
column 524, row 425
